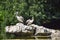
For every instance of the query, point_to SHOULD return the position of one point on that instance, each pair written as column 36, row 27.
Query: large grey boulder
column 19, row 27
column 38, row 29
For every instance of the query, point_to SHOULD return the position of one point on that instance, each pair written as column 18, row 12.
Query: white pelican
column 19, row 18
column 29, row 21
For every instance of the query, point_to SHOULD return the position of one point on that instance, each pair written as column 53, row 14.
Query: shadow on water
column 57, row 38
column 38, row 38
column 20, row 37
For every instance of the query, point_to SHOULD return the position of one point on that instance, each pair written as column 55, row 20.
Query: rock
column 38, row 29
column 19, row 27
column 56, row 34
column 7, row 29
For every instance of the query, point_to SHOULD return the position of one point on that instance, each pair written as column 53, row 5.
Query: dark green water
column 26, row 37
column 36, row 39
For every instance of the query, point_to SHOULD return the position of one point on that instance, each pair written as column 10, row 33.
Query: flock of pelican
column 20, row 27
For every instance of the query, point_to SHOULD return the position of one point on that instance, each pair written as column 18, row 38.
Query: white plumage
column 19, row 18
column 29, row 21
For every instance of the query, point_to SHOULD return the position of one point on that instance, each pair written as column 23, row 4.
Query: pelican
column 30, row 21
column 19, row 18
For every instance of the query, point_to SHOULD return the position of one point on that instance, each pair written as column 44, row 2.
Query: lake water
column 56, row 38
column 31, row 39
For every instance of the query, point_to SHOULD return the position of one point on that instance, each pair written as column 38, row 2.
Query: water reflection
column 56, row 38
column 35, row 38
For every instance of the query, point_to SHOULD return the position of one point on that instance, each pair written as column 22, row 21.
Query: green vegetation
column 42, row 11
